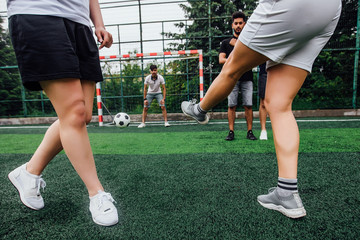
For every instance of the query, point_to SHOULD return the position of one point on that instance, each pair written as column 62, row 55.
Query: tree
column 199, row 33
column 329, row 85
column 10, row 90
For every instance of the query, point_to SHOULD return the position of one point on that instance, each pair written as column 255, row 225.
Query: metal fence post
column 356, row 59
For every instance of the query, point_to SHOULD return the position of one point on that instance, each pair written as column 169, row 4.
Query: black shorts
column 262, row 85
column 49, row 48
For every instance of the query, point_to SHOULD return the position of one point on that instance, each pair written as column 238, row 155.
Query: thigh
column 150, row 97
column 233, row 96
column 159, row 97
column 283, row 83
column 64, row 94
column 247, row 93
column 88, row 88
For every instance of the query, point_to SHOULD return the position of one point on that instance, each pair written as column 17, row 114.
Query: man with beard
column 244, row 84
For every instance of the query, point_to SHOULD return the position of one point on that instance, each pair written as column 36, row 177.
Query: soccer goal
column 128, row 64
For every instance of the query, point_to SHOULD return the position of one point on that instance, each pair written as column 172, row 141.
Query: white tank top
column 74, row 10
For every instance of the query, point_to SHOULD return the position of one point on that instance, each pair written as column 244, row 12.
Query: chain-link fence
column 332, row 84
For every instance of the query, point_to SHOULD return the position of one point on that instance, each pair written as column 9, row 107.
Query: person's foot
column 28, row 186
column 263, row 135
column 250, row 135
column 103, row 210
column 167, row 124
column 291, row 206
column 142, row 125
column 231, row 136
column 188, row 109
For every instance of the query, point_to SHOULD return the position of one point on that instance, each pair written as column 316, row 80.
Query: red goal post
column 153, row 54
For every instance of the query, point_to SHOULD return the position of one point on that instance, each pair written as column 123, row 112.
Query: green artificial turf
column 178, row 183
column 311, row 140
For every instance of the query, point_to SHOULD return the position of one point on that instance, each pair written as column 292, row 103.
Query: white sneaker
column 263, row 135
column 142, row 125
column 28, row 186
column 103, row 210
column 167, row 124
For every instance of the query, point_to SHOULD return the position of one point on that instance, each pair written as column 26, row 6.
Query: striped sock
column 198, row 110
column 286, row 186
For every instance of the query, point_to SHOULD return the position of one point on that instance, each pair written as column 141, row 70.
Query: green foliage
column 10, row 89
column 329, row 85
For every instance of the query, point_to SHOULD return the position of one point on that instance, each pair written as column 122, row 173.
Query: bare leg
column 164, row 113
column 69, row 98
column 249, row 117
column 231, row 117
column 144, row 115
column 51, row 144
column 240, row 60
column 283, row 84
column 262, row 114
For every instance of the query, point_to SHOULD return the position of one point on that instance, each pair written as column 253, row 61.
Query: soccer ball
column 122, row 120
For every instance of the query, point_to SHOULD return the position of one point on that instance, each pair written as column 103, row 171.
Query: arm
column 103, row 36
column 145, row 93
column 222, row 58
column 222, row 52
column 164, row 93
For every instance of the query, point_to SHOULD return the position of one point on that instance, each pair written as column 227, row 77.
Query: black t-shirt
column 226, row 48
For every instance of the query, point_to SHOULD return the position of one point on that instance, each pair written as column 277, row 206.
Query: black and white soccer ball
column 122, row 120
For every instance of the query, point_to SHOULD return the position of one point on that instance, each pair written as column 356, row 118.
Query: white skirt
column 291, row 32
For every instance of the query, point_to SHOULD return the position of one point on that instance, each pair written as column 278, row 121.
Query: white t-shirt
column 74, row 10
column 154, row 85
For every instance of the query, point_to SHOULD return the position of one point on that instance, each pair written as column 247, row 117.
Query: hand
column 162, row 101
column 104, row 37
column 233, row 42
column 146, row 102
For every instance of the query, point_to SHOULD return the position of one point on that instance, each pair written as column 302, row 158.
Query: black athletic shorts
column 49, row 48
column 262, row 85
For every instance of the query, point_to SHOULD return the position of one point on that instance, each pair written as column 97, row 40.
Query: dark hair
column 238, row 15
column 152, row 67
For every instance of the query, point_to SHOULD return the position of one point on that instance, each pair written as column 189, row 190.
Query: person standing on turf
column 152, row 90
column 57, row 53
column 261, row 92
column 289, row 35
column 244, row 84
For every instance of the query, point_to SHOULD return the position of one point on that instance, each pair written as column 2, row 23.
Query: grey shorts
column 262, row 85
column 291, row 32
column 246, row 88
column 150, row 97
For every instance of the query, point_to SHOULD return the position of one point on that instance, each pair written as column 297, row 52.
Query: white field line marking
column 180, row 123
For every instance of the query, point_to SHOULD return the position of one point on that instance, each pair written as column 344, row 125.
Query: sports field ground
column 187, row 182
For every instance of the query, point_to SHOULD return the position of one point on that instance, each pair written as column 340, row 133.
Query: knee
column 262, row 104
column 230, row 74
column 232, row 109
column 162, row 108
column 88, row 118
column 77, row 116
column 146, row 109
column 277, row 105
column 248, row 108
